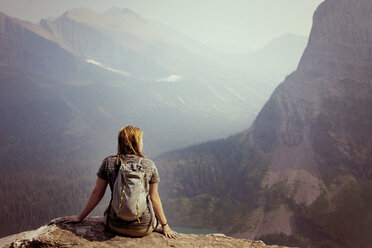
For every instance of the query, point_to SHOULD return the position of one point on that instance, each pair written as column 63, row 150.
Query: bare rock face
column 91, row 233
column 340, row 40
column 317, row 122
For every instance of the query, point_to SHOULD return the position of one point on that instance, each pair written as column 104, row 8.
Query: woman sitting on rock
column 125, row 192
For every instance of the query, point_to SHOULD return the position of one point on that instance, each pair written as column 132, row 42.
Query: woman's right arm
column 158, row 208
column 94, row 199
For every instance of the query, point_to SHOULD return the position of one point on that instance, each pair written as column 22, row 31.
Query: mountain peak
column 4, row 16
column 113, row 11
column 111, row 17
column 116, row 11
column 77, row 10
column 128, row 11
column 82, row 14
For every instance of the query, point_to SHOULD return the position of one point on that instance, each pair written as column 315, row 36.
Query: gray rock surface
column 91, row 233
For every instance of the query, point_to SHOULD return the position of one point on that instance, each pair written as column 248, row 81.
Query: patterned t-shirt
column 108, row 172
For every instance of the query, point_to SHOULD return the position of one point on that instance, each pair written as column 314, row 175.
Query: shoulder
column 149, row 166
column 108, row 161
column 147, row 161
column 152, row 171
column 107, row 168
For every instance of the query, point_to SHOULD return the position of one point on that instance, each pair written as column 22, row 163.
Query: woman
column 130, row 145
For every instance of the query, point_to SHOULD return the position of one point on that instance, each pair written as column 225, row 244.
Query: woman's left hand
column 169, row 233
column 70, row 219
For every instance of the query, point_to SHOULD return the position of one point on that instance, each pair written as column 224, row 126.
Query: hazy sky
column 228, row 25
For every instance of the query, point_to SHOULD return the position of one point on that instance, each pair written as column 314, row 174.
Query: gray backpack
column 129, row 198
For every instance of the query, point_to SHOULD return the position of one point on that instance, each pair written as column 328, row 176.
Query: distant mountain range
column 278, row 56
column 301, row 175
column 68, row 84
column 84, row 50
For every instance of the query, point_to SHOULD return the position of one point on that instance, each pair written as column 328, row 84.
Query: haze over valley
column 264, row 144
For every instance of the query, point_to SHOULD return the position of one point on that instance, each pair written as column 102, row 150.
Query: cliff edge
column 91, row 233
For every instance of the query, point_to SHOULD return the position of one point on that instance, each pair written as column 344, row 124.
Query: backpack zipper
column 122, row 193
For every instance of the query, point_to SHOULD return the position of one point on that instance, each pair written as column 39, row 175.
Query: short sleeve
column 102, row 171
column 155, row 176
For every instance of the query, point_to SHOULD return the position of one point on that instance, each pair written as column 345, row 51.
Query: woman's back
column 109, row 170
column 130, row 145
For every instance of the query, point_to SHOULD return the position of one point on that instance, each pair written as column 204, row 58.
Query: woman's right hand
column 70, row 219
column 169, row 232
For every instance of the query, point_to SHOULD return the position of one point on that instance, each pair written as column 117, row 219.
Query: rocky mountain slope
column 29, row 47
column 91, row 233
column 302, row 173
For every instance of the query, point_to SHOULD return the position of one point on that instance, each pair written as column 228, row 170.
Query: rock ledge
column 91, row 233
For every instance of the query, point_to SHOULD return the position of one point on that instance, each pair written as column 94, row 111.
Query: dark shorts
column 135, row 232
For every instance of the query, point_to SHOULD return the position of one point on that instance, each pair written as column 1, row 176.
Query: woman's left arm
column 95, row 197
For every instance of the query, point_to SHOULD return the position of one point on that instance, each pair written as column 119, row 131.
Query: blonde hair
column 129, row 139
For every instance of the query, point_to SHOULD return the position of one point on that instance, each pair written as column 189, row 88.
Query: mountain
column 142, row 40
column 165, row 70
column 301, row 174
column 271, row 63
column 68, row 84
column 113, row 11
column 30, row 47
column 168, row 72
column 40, row 151
column 279, row 55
